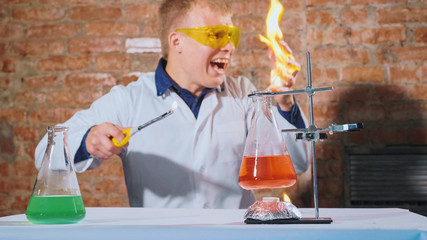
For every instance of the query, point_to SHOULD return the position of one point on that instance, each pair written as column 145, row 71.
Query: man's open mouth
column 220, row 63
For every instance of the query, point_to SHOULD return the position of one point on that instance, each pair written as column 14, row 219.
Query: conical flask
column 266, row 161
column 56, row 197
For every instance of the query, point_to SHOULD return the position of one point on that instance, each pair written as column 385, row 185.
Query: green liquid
column 55, row 209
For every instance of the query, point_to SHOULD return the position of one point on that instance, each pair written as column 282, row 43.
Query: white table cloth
column 146, row 223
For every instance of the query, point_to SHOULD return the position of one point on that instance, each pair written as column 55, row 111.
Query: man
column 192, row 158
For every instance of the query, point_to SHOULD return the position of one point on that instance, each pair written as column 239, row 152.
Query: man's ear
column 175, row 42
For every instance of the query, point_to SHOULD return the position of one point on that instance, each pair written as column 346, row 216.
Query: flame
column 285, row 65
column 286, row 198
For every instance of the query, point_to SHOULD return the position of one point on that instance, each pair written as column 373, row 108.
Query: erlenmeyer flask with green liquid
column 56, row 197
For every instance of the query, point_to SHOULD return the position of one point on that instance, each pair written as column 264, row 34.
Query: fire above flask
column 56, row 197
column 266, row 162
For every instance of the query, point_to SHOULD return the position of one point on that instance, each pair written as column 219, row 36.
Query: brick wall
column 57, row 56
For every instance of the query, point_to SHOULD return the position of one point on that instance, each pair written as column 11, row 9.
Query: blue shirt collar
column 162, row 79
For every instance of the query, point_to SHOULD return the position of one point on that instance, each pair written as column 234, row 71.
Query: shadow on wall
column 390, row 119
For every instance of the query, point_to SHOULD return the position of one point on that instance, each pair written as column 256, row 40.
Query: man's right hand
column 98, row 141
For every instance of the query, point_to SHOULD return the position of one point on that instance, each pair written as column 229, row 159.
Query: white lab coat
column 179, row 161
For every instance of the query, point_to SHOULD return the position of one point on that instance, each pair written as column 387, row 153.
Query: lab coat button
column 206, row 205
column 202, row 169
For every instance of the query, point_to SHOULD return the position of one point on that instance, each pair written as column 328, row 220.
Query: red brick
column 112, row 63
column 380, row 35
column 51, row 115
column 7, row 147
column 62, row 63
column 81, row 80
column 74, row 97
column 363, row 75
column 26, row 134
column 43, row 81
column 89, row 13
column 38, row 14
column 321, row 17
column 323, row 76
column 406, row 111
column 24, row 168
column 111, row 29
column 4, row 82
column 250, row 24
column 358, row 138
column 67, row 1
column 417, row 135
column 335, row 36
column 4, row 205
column 371, row 2
column 20, row 203
column 30, row 150
column 11, row 30
column 16, row 1
column 53, row 31
column 36, row 47
column 350, row 55
column 323, row 2
column 402, row 15
column 389, row 93
column 420, row 34
column 354, row 93
column 252, row 42
column 30, row 97
column 243, row 7
column 244, row 60
column 295, row 41
column 4, row 169
column 292, row 23
column 355, row 16
column 289, row 5
column 95, row 45
column 13, row 115
column 364, row 112
column 142, row 12
column 325, row 113
column 405, row 74
column 329, row 152
column 402, row 54
column 328, row 167
column 2, row 49
column 150, row 29
column 8, row 65
column 331, row 187
column 388, row 135
column 418, row 92
column 13, row 184
column 111, row 186
column 4, row 15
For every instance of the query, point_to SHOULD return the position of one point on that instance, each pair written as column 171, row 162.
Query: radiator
column 388, row 177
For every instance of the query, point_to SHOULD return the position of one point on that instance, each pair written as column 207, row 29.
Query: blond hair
column 172, row 11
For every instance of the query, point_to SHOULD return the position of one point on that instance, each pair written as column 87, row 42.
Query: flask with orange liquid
column 266, row 161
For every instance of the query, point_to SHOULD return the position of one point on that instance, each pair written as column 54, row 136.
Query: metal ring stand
column 312, row 133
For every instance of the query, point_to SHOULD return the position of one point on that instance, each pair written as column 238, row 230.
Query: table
column 206, row 224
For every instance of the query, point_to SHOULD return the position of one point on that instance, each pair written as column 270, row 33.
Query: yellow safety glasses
column 214, row 36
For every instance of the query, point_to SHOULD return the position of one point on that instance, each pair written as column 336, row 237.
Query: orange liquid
column 267, row 172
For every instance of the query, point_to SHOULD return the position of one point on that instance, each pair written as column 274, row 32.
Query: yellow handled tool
column 131, row 131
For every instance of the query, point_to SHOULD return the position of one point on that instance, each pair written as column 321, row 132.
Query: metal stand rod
column 313, row 143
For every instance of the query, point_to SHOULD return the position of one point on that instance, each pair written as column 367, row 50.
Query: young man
column 192, row 158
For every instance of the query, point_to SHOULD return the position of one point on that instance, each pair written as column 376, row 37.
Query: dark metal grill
column 392, row 177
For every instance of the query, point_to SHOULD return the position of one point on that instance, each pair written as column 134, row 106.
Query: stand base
column 325, row 220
